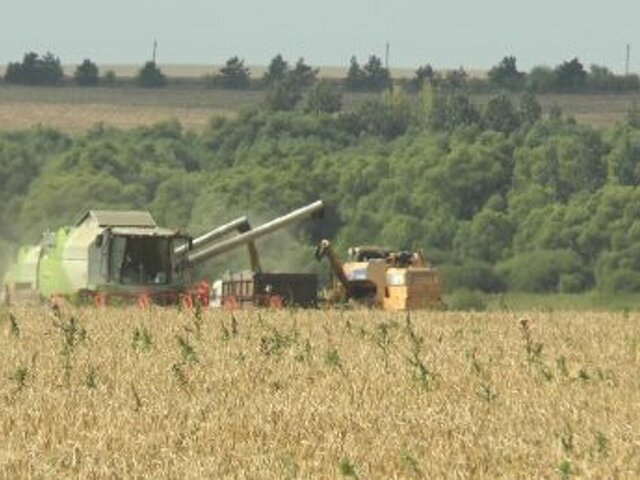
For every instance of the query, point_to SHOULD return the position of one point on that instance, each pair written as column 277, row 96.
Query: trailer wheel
column 230, row 303
column 187, row 301
column 276, row 301
column 144, row 301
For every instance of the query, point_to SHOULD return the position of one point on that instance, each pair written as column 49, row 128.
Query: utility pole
column 627, row 62
column 155, row 49
column 386, row 56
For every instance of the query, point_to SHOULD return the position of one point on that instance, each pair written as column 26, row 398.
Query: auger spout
column 215, row 249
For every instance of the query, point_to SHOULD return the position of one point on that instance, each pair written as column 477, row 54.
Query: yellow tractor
column 383, row 278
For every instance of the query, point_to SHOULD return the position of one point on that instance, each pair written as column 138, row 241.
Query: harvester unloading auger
column 115, row 256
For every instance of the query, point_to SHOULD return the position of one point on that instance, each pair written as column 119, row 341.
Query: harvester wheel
column 55, row 302
column 187, row 301
column 202, row 293
column 100, row 300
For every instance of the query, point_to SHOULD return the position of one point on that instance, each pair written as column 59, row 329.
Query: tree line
column 570, row 76
column 501, row 197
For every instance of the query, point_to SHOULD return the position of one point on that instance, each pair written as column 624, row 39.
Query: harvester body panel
column 412, row 288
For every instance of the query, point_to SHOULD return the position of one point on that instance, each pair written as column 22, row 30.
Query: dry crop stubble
column 75, row 110
column 322, row 394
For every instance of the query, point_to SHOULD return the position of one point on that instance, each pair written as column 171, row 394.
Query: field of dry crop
column 314, row 394
column 74, row 109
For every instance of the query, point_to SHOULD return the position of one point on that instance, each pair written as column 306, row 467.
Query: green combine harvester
column 115, row 257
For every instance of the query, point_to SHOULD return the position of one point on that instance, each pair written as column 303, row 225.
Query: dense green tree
column 424, row 75
column 150, row 76
column 371, row 76
column 472, row 275
column 277, row 70
column 506, row 75
column 619, row 271
column 234, row 74
column 471, row 173
column 355, row 79
column 87, row 74
column 600, row 79
column 487, row 237
column 35, row 70
column 448, row 109
column 500, row 115
column 627, row 83
column 455, row 79
column 529, row 110
column 570, row 76
column 175, row 198
column 109, row 78
column 389, row 116
column 376, row 76
column 283, row 94
column 54, row 200
column 324, row 97
column 541, row 79
column 401, row 231
column 545, row 271
column 633, row 115
column 565, row 161
column 303, row 74
column 624, row 158
column 23, row 157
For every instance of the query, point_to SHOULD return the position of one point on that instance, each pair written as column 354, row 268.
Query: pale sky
column 444, row 33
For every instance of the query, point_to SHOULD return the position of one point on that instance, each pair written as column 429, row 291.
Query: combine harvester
column 116, row 257
column 383, row 278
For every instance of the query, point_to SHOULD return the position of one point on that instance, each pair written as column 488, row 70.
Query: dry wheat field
column 74, row 110
column 163, row 393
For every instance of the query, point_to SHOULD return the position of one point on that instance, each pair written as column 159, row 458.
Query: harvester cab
column 112, row 254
